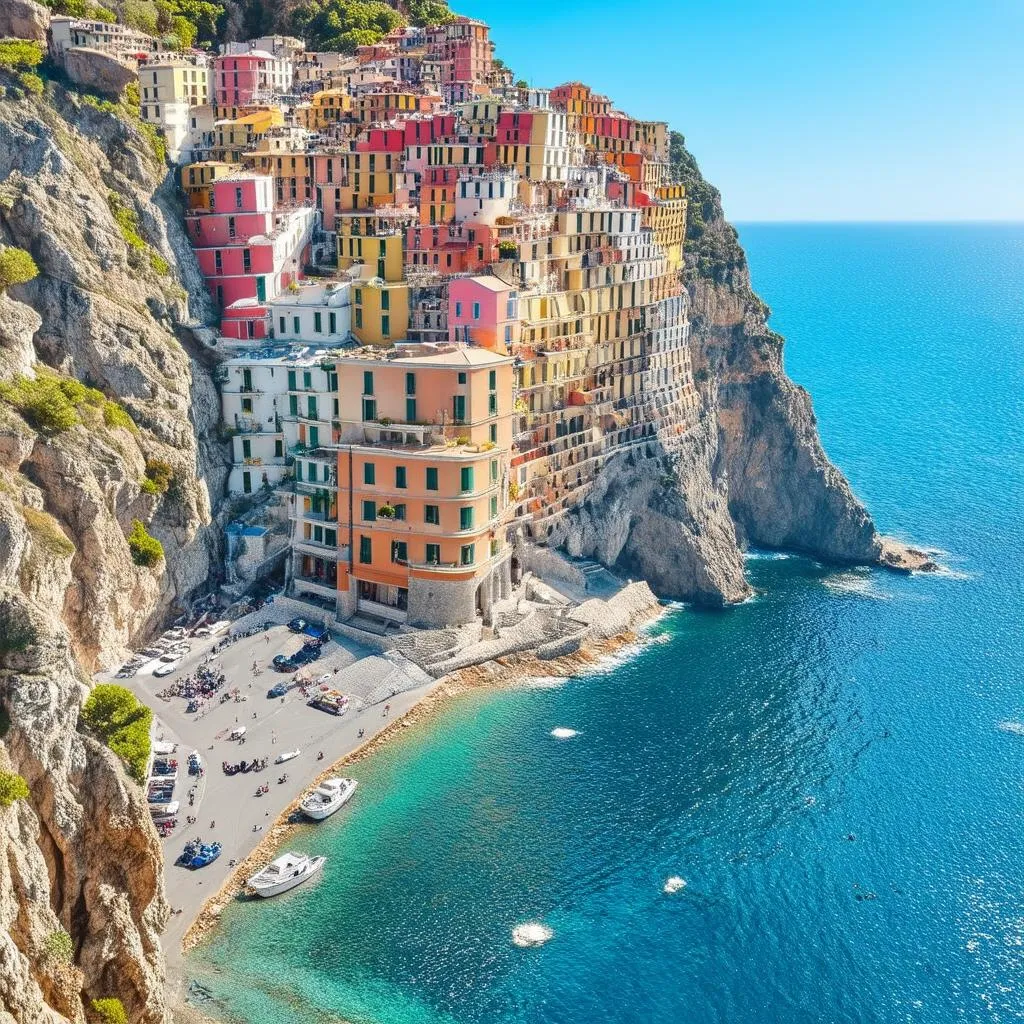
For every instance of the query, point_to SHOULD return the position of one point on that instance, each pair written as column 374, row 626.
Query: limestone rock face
column 23, row 19
column 97, row 70
column 80, row 854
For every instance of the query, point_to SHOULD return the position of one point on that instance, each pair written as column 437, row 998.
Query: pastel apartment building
column 109, row 37
column 175, row 98
column 247, row 249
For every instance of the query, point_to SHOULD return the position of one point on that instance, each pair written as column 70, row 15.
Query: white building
column 317, row 313
column 484, row 197
column 175, row 97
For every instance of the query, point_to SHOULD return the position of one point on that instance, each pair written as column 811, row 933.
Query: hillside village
column 447, row 299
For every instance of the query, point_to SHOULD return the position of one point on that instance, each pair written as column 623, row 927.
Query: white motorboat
column 328, row 797
column 284, row 873
column 288, row 755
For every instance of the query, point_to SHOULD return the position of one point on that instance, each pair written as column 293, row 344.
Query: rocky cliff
column 750, row 468
column 81, row 897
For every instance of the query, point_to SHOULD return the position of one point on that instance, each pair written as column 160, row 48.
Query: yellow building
column 380, row 311
column 324, row 109
column 383, row 255
column 197, row 179
column 233, row 139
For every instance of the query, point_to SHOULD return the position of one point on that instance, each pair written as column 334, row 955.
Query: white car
column 165, row 668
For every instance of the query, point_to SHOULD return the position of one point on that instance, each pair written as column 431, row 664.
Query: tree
column 146, row 550
column 122, row 723
column 344, row 25
column 16, row 54
column 16, row 267
column 12, row 787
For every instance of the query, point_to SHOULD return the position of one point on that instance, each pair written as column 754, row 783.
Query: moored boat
column 328, row 797
column 288, row 755
column 284, row 873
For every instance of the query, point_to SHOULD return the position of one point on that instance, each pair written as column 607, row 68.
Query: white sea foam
column 532, row 933
column 673, row 884
column 1017, row 728
column 765, row 556
column 859, row 584
column 561, row 733
column 544, row 682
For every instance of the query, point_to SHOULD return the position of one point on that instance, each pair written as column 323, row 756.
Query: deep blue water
column 823, row 765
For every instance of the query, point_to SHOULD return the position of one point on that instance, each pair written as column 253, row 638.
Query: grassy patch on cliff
column 16, row 267
column 107, row 1011
column 140, row 252
column 12, row 787
column 52, row 404
column 146, row 550
column 115, row 715
column 46, row 532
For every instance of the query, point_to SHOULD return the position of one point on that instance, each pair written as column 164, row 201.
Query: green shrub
column 16, row 54
column 108, row 1011
column 158, row 263
column 122, row 722
column 148, row 487
column 159, row 473
column 12, row 787
column 155, row 140
column 146, row 550
column 127, row 221
column 58, row 945
column 115, row 415
column 42, row 403
column 16, row 267
column 31, row 82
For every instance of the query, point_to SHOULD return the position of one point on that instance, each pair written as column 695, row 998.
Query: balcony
column 307, row 515
column 320, row 587
column 314, row 487
column 307, row 546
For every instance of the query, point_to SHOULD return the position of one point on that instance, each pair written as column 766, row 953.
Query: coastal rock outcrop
column 99, row 71
column 24, row 19
column 81, row 892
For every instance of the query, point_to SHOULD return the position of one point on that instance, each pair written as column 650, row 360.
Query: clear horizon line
column 867, row 220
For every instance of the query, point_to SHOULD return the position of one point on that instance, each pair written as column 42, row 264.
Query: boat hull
column 320, row 811
column 286, row 884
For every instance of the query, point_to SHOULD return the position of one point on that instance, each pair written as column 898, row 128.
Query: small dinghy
column 288, row 755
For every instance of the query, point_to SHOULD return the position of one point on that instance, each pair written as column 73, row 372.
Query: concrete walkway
column 227, row 808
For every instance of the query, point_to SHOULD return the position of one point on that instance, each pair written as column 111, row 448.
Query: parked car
column 165, row 668
column 277, row 691
column 298, row 625
column 282, row 662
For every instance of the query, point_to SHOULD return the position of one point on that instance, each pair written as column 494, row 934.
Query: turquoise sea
column 823, row 765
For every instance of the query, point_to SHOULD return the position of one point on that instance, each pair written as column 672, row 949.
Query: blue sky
column 805, row 109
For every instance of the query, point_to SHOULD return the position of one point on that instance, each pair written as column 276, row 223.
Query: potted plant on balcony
column 508, row 250
column 386, row 511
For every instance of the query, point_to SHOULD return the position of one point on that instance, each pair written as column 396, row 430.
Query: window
column 431, row 478
column 369, row 409
column 365, row 550
column 238, row 198
column 459, row 408
column 410, row 410
column 462, row 378
column 433, row 554
column 281, row 324
column 359, row 317
column 311, row 407
column 400, row 477
column 466, row 479
column 369, row 511
column 410, row 383
column 492, row 404
column 369, row 473
column 399, row 551
column 432, row 515
column 247, row 405
column 367, row 382
column 247, row 449
column 400, row 512
column 246, row 261
column 293, row 405
column 385, row 299
column 385, row 326
column 494, row 506
column 467, row 556
column 332, row 323
column 492, row 431
column 458, row 309
column 492, row 380
column 307, row 380
column 317, row 323
column 494, row 471
column 466, row 517
column 476, row 310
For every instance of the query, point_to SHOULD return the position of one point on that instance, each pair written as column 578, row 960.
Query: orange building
column 423, row 481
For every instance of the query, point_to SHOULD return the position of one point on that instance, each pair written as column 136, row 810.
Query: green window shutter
column 369, row 511
column 307, row 380
column 365, row 550
column 298, row 471
column 314, row 437
column 369, row 408
column 432, row 514
column 433, row 553
column 494, row 506
column 293, row 405
column 369, row 473
column 400, row 512
column 466, row 478
column 318, row 323
column 410, row 410
column 400, row 476
column 494, row 471
column 492, row 405
column 311, row 407
column 410, row 383
column 367, row 382
column 291, row 380
column 492, row 379
column 459, row 407
column 468, row 554
column 466, row 518
column 431, row 478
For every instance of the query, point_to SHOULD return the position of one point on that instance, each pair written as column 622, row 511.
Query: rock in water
column 532, row 933
column 674, row 884
column 564, row 734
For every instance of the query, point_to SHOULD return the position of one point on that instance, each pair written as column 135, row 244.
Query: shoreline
column 503, row 673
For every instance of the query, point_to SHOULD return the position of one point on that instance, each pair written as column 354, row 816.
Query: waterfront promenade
column 226, row 807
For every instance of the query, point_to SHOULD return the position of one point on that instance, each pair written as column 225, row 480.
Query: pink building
column 483, row 311
column 244, row 79
column 246, row 249
column 245, row 320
